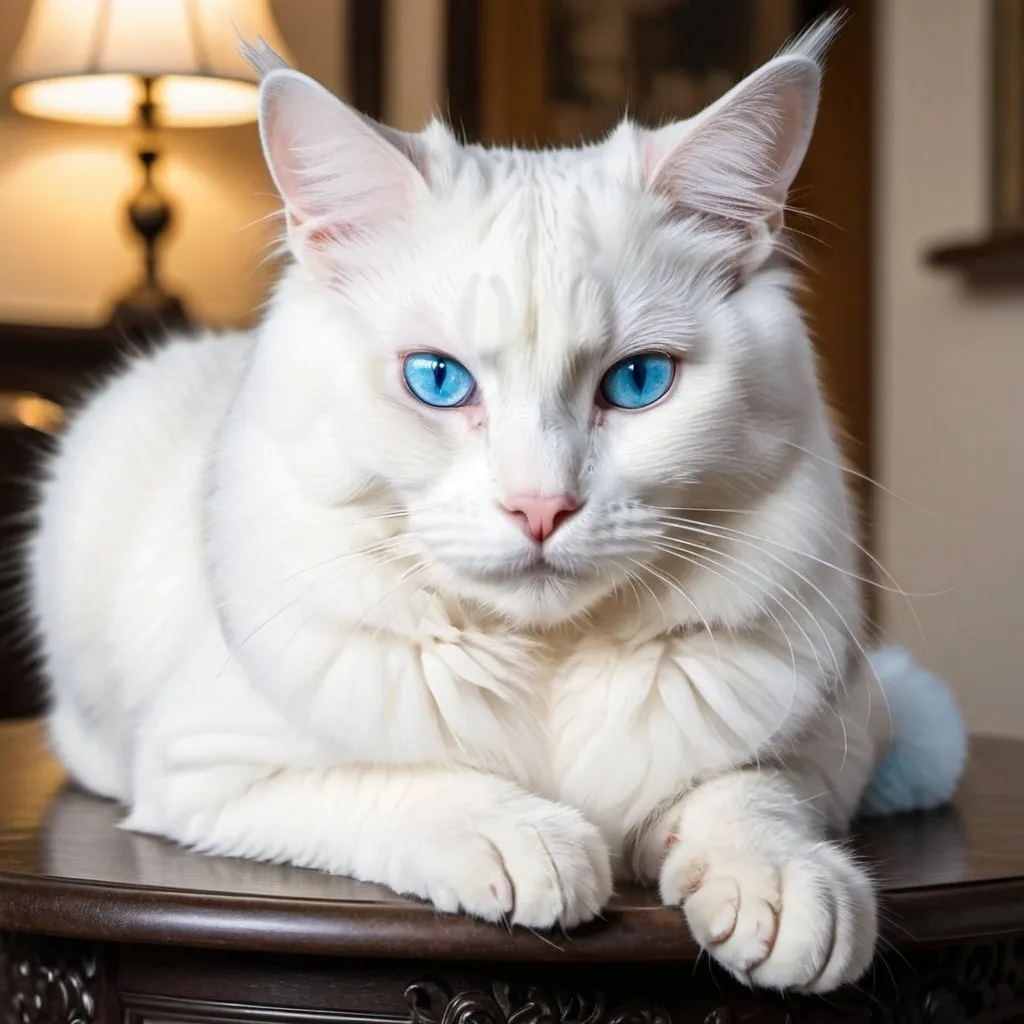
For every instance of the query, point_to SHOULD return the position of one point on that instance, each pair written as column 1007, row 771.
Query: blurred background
column 133, row 196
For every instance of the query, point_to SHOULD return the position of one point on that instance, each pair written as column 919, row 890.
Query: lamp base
column 147, row 311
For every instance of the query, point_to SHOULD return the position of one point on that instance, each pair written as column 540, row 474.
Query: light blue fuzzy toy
column 929, row 741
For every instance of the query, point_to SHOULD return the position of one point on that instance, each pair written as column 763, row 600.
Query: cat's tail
column 929, row 741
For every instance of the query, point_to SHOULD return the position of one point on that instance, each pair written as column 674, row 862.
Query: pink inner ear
column 320, row 238
column 736, row 160
column 650, row 161
column 656, row 146
column 343, row 177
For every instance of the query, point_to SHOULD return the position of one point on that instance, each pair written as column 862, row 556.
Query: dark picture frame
column 995, row 261
column 1007, row 128
column 364, row 36
column 487, row 106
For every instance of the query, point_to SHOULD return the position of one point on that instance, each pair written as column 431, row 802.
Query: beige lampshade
column 85, row 60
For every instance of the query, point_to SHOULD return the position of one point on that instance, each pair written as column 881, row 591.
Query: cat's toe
column 560, row 870
column 733, row 911
column 462, row 875
column 806, row 933
column 841, row 883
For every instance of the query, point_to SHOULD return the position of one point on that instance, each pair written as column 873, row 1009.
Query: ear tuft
column 261, row 58
column 814, row 41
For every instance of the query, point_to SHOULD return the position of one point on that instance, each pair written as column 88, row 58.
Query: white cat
column 509, row 555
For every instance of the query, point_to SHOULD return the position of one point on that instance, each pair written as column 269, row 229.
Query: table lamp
column 151, row 63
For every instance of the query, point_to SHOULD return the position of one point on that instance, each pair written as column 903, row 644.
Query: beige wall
column 63, row 260
column 951, row 367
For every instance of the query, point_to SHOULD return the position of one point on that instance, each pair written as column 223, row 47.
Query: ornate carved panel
column 49, row 981
column 432, row 1003
column 982, row 981
column 46, row 981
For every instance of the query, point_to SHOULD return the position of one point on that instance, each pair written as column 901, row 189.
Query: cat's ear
column 736, row 160
column 342, row 176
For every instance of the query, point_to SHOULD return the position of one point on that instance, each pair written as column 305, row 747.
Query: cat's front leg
column 764, row 888
column 461, row 839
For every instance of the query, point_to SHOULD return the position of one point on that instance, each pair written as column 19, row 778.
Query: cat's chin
column 536, row 599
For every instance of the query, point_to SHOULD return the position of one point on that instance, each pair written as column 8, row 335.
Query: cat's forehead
column 532, row 262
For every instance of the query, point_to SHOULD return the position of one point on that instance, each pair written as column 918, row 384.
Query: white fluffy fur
column 285, row 618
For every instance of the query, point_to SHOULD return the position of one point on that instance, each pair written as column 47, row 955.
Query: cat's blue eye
column 438, row 380
column 638, row 381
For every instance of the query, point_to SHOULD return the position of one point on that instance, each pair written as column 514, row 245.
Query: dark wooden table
column 99, row 925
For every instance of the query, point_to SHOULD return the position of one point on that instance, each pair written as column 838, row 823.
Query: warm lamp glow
column 25, row 409
column 84, row 60
column 99, row 99
column 181, row 102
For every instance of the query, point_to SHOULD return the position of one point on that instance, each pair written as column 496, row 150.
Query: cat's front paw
column 529, row 862
column 804, row 919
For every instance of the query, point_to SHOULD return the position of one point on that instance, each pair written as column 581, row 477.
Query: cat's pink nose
column 539, row 515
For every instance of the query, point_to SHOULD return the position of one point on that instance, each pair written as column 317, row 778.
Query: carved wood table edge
column 97, row 923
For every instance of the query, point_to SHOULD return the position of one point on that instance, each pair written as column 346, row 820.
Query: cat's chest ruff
column 610, row 726
column 628, row 726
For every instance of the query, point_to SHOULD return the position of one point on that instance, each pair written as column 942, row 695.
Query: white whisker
column 674, row 585
column 774, row 584
column 849, row 470
column 850, row 633
column 896, row 589
column 688, row 556
column 631, row 576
